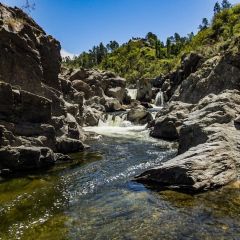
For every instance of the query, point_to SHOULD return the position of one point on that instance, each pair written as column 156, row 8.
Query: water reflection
column 94, row 198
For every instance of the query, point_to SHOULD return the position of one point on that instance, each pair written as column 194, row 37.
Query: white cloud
column 65, row 53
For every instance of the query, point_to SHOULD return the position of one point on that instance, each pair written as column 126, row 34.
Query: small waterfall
column 114, row 121
column 132, row 93
column 159, row 100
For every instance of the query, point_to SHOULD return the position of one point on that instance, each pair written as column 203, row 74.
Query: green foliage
column 226, row 4
column 204, row 25
column 217, row 8
column 149, row 57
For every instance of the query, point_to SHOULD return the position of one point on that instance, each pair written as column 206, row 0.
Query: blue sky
column 80, row 24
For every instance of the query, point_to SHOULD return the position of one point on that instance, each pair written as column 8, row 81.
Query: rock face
column 43, row 107
column 203, row 117
column 144, row 90
column 170, row 82
column 28, row 57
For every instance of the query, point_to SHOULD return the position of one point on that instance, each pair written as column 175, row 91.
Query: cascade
column 132, row 93
column 159, row 100
column 114, row 121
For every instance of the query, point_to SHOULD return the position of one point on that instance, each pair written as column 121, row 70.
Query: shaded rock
column 83, row 87
column 68, row 145
column 79, row 74
column 24, row 158
column 34, row 108
column 139, row 115
column 144, row 90
column 117, row 92
column 91, row 116
column 28, row 57
column 112, row 105
column 165, row 128
column 6, row 99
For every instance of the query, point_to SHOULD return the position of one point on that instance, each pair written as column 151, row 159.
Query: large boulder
column 144, row 90
column 68, row 145
column 79, row 74
column 83, row 87
column 208, row 147
column 112, row 105
column 25, row 158
column 117, row 92
column 113, row 82
column 165, row 128
column 91, row 116
column 139, row 115
column 207, row 166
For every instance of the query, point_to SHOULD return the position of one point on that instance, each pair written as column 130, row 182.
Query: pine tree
column 204, row 25
column 168, row 44
column 226, row 4
column 217, row 8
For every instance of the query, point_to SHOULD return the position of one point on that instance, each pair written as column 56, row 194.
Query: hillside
column 149, row 57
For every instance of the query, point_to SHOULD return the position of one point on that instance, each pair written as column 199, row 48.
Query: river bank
column 95, row 198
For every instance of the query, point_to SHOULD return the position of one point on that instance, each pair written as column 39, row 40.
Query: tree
column 152, row 38
column 226, row 4
column 112, row 46
column 177, row 37
column 190, row 36
column 28, row 6
column 217, row 8
column 168, row 44
column 204, row 25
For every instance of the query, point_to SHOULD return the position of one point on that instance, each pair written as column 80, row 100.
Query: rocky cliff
column 43, row 107
column 202, row 115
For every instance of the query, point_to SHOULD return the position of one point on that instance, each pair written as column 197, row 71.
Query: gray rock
column 79, row 74
column 68, row 145
column 91, row 116
column 25, row 158
column 144, row 90
column 34, row 57
column 166, row 129
column 117, row 92
column 112, row 105
column 83, row 87
column 139, row 115
column 208, row 147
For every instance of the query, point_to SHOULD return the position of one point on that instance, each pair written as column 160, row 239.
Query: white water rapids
column 118, row 126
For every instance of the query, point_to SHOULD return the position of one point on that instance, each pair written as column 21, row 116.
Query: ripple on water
column 94, row 198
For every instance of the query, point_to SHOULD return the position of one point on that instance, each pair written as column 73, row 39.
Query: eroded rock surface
column 203, row 117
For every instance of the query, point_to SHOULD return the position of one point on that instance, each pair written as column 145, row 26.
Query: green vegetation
column 150, row 57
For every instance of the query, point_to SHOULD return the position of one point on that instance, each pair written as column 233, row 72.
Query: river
column 95, row 198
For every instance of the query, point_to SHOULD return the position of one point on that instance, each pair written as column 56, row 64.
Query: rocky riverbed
column 190, row 143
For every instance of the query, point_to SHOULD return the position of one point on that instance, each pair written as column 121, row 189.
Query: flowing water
column 94, row 197
column 132, row 93
column 159, row 100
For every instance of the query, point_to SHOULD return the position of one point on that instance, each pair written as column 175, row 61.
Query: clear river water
column 94, row 197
